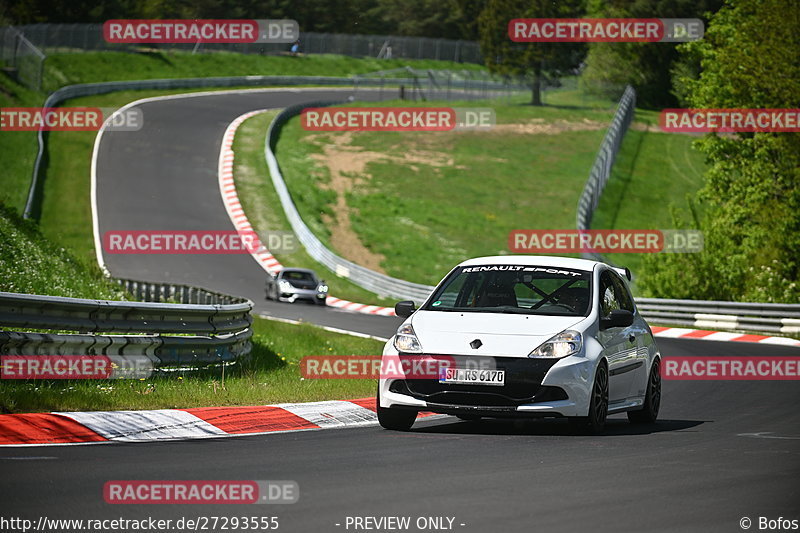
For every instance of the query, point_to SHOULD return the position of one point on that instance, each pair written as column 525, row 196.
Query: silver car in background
column 292, row 284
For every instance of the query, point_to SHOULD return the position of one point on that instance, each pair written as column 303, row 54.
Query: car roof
column 307, row 270
column 534, row 260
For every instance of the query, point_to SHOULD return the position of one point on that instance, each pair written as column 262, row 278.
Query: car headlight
column 405, row 340
column 566, row 343
column 322, row 288
column 284, row 285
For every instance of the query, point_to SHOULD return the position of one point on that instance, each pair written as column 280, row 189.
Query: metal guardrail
column 706, row 314
column 601, row 169
column 147, row 291
column 202, row 334
column 432, row 84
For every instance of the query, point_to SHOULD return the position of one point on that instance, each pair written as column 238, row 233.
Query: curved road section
column 163, row 177
column 724, row 455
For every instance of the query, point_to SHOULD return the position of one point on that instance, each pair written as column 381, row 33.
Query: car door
column 268, row 285
column 619, row 347
column 637, row 336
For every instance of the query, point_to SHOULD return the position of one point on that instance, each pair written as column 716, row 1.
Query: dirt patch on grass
column 539, row 126
column 347, row 167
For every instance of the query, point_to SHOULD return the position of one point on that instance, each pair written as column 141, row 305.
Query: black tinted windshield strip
column 455, row 301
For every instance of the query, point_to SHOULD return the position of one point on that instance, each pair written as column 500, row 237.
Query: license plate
column 465, row 376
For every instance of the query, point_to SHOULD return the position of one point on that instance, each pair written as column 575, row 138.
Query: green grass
column 264, row 211
column 90, row 67
column 653, row 173
column 270, row 376
column 426, row 218
column 17, row 148
column 31, row 264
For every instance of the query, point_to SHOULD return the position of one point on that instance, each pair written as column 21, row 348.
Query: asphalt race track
column 164, row 177
column 721, row 451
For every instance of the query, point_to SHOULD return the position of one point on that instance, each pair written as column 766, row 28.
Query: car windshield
column 294, row 275
column 520, row 289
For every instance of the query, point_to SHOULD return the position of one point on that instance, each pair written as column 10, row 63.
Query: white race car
column 523, row 336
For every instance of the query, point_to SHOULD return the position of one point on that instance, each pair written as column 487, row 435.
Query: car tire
column 321, row 303
column 598, row 404
column 652, row 400
column 269, row 294
column 395, row 419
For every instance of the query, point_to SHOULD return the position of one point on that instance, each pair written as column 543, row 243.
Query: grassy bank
column 423, row 201
column 17, row 148
column 653, row 173
column 32, row 264
column 271, row 375
column 264, row 211
column 91, row 67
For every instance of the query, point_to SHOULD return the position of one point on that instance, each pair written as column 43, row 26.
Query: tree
column 448, row 19
column 749, row 208
column 533, row 61
column 645, row 66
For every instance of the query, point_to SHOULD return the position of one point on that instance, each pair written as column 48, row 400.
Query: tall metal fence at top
column 22, row 57
column 601, row 169
column 417, row 84
column 59, row 38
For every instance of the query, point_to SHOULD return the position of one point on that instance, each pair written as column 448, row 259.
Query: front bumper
column 533, row 388
column 294, row 294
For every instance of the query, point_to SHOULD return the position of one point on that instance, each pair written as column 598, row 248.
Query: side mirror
column 404, row 309
column 618, row 318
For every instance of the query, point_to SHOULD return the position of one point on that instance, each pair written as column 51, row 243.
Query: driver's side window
column 608, row 296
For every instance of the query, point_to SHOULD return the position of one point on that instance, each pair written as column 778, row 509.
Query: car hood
column 501, row 334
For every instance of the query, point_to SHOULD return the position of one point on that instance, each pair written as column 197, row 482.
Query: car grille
column 523, row 384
